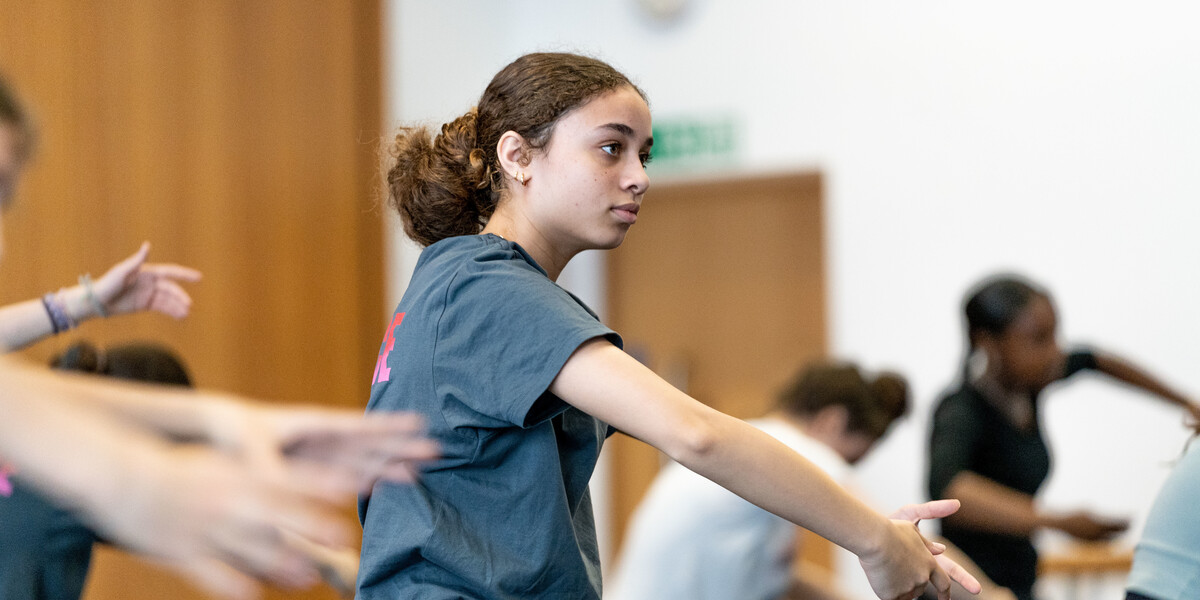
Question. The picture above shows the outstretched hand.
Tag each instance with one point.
(219, 520)
(133, 285)
(224, 515)
(938, 509)
(1087, 526)
(362, 449)
(908, 563)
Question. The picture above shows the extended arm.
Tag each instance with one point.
(22, 324)
(257, 430)
(170, 411)
(142, 493)
(1124, 371)
(129, 286)
(991, 507)
(213, 515)
(610, 385)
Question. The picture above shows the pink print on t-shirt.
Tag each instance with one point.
(382, 372)
(6, 486)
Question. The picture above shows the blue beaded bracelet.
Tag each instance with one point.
(59, 319)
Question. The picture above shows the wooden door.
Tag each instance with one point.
(720, 287)
(239, 138)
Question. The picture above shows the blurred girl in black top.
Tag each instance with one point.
(986, 446)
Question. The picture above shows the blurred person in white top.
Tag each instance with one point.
(692, 539)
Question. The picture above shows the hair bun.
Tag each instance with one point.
(891, 394)
(440, 187)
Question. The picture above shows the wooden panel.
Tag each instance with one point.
(239, 138)
(814, 551)
(720, 287)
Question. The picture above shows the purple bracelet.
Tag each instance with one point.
(59, 319)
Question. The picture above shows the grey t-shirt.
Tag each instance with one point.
(44, 549)
(505, 513)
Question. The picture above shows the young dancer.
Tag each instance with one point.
(521, 383)
(986, 445)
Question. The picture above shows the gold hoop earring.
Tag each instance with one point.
(521, 177)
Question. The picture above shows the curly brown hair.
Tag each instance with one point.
(450, 185)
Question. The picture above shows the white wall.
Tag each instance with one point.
(1057, 139)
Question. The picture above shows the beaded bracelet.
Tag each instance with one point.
(85, 280)
(59, 319)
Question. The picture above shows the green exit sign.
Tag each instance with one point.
(694, 141)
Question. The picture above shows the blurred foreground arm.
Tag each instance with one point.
(215, 515)
(377, 446)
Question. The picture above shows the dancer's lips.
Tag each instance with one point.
(627, 212)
